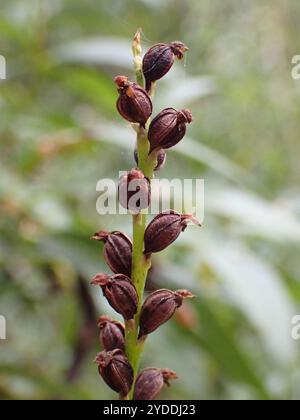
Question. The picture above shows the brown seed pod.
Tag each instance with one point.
(164, 229)
(159, 59)
(159, 307)
(112, 333)
(133, 103)
(117, 251)
(161, 159)
(168, 128)
(120, 293)
(134, 191)
(116, 370)
(150, 382)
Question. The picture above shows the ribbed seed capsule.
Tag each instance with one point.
(134, 191)
(116, 370)
(133, 103)
(168, 128)
(120, 293)
(112, 333)
(159, 59)
(117, 251)
(161, 159)
(150, 382)
(159, 307)
(164, 229)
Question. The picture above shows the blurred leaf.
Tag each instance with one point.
(49, 387)
(181, 94)
(269, 219)
(91, 86)
(222, 346)
(250, 282)
(190, 148)
(96, 50)
(84, 255)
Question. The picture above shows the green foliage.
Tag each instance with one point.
(59, 135)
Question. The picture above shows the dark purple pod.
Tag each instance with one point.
(116, 370)
(159, 59)
(168, 128)
(164, 229)
(112, 333)
(159, 307)
(133, 103)
(150, 382)
(134, 191)
(117, 251)
(161, 159)
(120, 293)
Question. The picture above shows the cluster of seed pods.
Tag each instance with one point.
(134, 193)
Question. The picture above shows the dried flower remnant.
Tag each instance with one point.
(134, 191)
(165, 229)
(116, 370)
(133, 102)
(168, 128)
(159, 307)
(150, 382)
(117, 251)
(112, 333)
(160, 159)
(159, 59)
(120, 293)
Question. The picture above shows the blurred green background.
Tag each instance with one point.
(60, 134)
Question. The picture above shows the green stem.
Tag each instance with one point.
(137, 57)
(140, 264)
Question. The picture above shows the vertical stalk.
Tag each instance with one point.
(140, 264)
